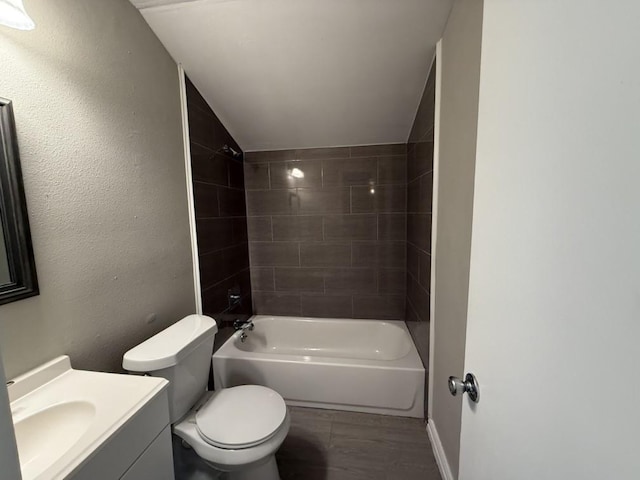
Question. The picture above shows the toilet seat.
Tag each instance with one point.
(240, 417)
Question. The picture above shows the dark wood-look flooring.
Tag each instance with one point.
(337, 445)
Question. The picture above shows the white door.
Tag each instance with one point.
(553, 333)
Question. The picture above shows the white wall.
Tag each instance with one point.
(8, 452)
(460, 74)
(97, 107)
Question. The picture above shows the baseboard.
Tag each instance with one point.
(438, 451)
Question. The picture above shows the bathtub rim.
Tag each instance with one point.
(411, 361)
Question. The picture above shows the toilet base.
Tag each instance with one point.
(265, 471)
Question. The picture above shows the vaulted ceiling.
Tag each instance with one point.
(304, 73)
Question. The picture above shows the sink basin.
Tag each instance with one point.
(63, 417)
(46, 435)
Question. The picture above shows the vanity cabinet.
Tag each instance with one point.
(140, 449)
(156, 463)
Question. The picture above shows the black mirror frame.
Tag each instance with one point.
(13, 214)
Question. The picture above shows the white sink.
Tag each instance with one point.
(62, 416)
(45, 436)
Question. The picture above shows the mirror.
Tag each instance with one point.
(17, 267)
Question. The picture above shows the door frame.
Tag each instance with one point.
(197, 288)
(436, 443)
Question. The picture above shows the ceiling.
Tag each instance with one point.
(286, 74)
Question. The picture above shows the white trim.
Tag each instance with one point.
(190, 200)
(434, 224)
(438, 451)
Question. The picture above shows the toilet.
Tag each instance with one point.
(236, 430)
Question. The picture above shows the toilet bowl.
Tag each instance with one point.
(235, 431)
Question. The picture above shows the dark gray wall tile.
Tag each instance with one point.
(231, 202)
(272, 202)
(425, 271)
(259, 228)
(330, 306)
(207, 166)
(392, 227)
(323, 200)
(215, 301)
(350, 280)
(236, 173)
(379, 150)
(325, 254)
(350, 227)
(424, 119)
(426, 192)
(298, 227)
(206, 200)
(392, 281)
(214, 234)
(271, 303)
(413, 260)
(299, 279)
(413, 197)
(282, 176)
(384, 199)
(420, 160)
(383, 307)
(239, 229)
(357, 171)
(221, 264)
(419, 299)
(392, 170)
(320, 217)
(201, 128)
(419, 230)
(262, 279)
(268, 254)
(218, 182)
(256, 176)
(379, 254)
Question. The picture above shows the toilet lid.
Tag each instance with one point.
(241, 417)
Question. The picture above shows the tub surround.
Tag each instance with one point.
(328, 238)
(340, 364)
(419, 208)
(221, 222)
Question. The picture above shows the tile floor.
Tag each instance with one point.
(336, 445)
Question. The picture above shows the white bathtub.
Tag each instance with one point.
(360, 365)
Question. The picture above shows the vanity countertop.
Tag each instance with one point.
(62, 417)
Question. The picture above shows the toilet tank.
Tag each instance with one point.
(180, 353)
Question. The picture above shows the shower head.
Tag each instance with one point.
(227, 149)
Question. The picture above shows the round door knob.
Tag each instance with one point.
(469, 385)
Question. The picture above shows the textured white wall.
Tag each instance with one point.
(97, 108)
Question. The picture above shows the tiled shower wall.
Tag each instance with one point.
(419, 203)
(327, 231)
(221, 223)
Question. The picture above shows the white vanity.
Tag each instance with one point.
(81, 425)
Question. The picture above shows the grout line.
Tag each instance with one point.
(272, 236)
